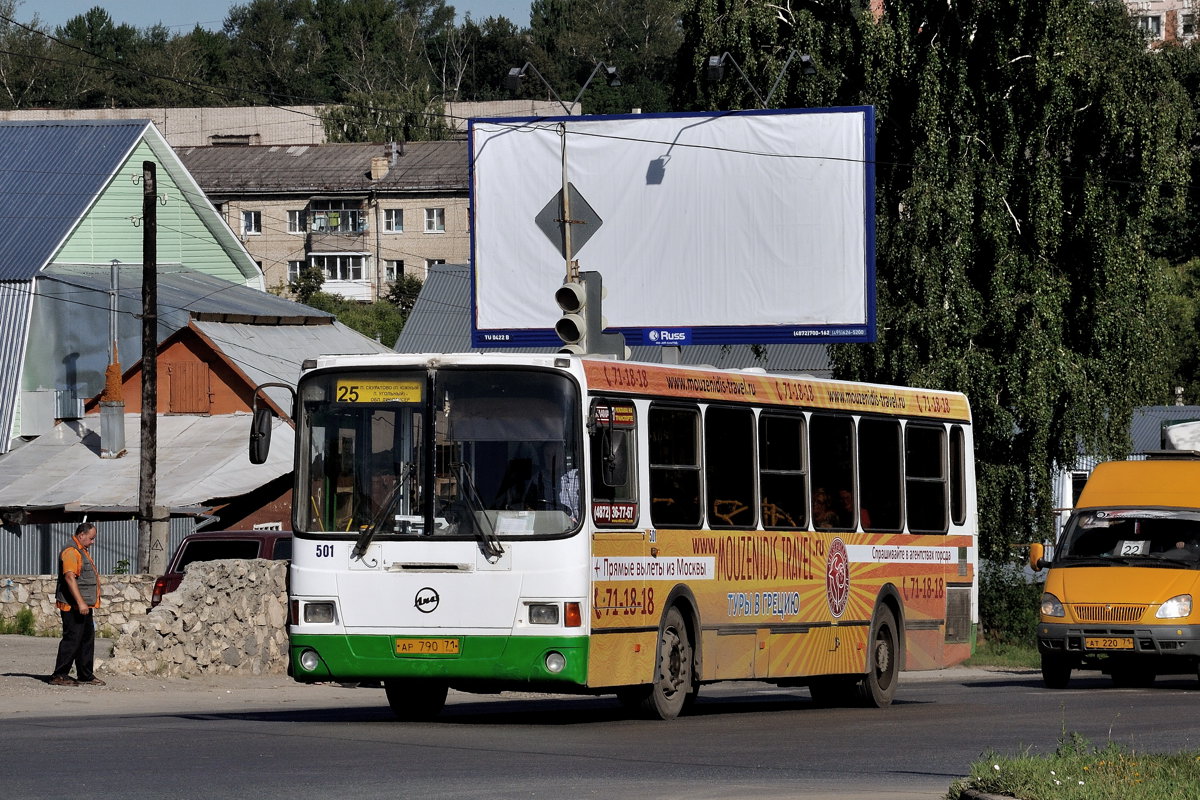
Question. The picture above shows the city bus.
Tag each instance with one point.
(566, 524)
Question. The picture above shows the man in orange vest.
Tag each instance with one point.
(78, 593)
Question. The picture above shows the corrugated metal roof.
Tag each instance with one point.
(440, 322)
(52, 172)
(183, 291)
(312, 169)
(1146, 426)
(16, 298)
(274, 353)
(200, 459)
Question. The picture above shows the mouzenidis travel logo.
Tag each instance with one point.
(837, 577)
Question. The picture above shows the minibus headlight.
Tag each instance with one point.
(319, 612)
(1051, 607)
(555, 662)
(543, 613)
(1178, 606)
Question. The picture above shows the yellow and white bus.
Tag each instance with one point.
(563, 524)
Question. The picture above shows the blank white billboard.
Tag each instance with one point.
(734, 227)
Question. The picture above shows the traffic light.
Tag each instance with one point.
(579, 316)
(581, 326)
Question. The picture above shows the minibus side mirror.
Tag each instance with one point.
(1037, 557)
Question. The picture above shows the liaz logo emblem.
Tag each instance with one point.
(426, 600)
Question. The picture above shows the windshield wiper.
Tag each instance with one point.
(389, 504)
(488, 541)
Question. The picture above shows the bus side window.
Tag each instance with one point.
(879, 483)
(782, 481)
(831, 464)
(729, 467)
(958, 478)
(925, 478)
(674, 434)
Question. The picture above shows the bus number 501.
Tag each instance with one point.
(324, 551)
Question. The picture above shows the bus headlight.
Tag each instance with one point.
(1051, 607)
(319, 612)
(1178, 606)
(555, 662)
(309, 660)
(543, 613)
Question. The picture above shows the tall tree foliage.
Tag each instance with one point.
(1025, 152)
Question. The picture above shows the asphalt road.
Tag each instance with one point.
(266, 737)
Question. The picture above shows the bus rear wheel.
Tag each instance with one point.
(674, 678)
(878, 686)
(415, 700)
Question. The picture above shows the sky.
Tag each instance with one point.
(183, 15)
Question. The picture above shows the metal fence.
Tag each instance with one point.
(34, 549)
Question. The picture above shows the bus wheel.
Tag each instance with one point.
(415, 700)
(1056, 671)
(878, 686)
(674, 680)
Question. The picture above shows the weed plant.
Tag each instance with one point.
(1079, 771)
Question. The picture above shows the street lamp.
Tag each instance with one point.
(714, 70)
(512, 81)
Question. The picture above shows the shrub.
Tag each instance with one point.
(1008, 603)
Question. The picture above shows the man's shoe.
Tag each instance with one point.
(62, 680)
(92, 682)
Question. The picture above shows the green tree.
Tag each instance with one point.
(1026, 150)
(307, 284)
(403, 293)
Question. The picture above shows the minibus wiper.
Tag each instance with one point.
(389, 505)
(489, 543)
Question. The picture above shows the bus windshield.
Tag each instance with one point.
(1137, 536)
(455, 453)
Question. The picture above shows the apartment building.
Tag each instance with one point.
(365, 214)
(1165, 21)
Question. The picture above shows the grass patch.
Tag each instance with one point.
(1079, 771)
(21, 625)
(1002, 654)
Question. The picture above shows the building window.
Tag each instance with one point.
(393, 270)
(435, 220)
(296, 221)
(429, 262)
(251, 222)
(340, 268)
(1151, 24)
(1187, 25)
(393, 220)
(294, 270)
(338, 216)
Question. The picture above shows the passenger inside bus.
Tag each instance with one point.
(823, 515)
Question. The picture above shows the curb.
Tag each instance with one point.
(975, 794)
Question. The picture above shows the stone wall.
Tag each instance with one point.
(122, 598)
(226, 617)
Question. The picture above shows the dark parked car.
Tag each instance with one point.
(217, 545)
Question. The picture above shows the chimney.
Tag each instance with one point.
(379, 167)
(1179, 395)
(112, 412)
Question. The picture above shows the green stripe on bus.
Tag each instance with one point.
(500, 658)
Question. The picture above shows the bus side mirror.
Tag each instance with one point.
(613, 460)
(1037, 557)
(260, 435)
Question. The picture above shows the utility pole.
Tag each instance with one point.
(152, 556)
